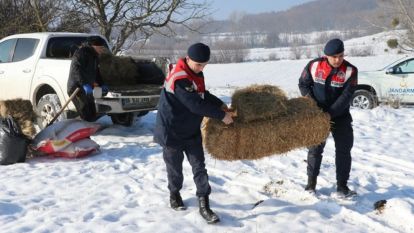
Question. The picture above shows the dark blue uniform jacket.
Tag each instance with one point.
(331, 88)
(181, 111)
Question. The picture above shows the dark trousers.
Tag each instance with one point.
(85, 106)
(343, 136)
(173, 159)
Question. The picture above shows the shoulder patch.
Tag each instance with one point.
(189, 89)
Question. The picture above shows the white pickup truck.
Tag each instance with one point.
(393, 84)
(36, 66)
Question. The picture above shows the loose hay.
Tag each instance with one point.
(22, 112)
(125, 71)
(118, 71)
(304, 125)
(259, 102)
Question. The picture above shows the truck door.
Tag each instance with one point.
(404, 87)
(6, 53)
(18, 71)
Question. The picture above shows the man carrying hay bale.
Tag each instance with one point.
(182, 105)
(84, 73)
(331, 82)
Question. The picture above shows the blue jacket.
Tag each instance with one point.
(183, 104)
(331, 88)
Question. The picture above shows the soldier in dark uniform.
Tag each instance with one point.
(331, 82)
(183, 103)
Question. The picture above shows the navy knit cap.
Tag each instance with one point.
(199, 52)
(333, 47)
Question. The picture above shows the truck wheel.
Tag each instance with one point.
(363, 99)
(125, 119)
(47, 108)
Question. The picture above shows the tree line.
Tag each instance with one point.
(120, 21)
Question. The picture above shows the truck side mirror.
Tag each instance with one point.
(389, 71)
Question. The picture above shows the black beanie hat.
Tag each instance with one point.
(333, 47)
(199, 52)
(96, 41)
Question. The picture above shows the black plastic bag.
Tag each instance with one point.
(13, 144)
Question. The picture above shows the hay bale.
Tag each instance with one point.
(304, 125)
(259, 102)
(22, 112)
(118, 71)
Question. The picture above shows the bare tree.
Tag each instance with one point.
(296, 51)
(228, 51)
(272, 40)
(13, 17)
(125, 21)
(402, 13)
(20, 16)
(44, 12)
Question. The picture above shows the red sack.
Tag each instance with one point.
(61, 134)
(78, 149)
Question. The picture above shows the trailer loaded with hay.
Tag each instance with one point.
(41, 74)
(267, 123)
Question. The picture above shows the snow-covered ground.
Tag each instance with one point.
(124, 187)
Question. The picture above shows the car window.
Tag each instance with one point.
(6, 50)
(405, 67)
(25, 48)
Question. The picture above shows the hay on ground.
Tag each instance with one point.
(22, 112)
(259, 102)
(304, 125)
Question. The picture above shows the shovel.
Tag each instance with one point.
(64, 106)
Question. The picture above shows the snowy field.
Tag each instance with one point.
(124, 187)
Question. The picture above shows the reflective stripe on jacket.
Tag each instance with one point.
(332, 88)
(183, 104)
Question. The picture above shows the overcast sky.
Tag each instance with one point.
(223, 8)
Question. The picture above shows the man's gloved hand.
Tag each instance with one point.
(88, 89)
(105, 90)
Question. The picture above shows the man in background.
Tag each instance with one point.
(84, 73)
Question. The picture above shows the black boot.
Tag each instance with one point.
(311, 186)
(176, 202)
(206, 212)
(343, 191)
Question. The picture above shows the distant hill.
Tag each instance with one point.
(319, 15)
(314, 22)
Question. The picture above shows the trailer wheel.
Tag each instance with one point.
(125, 119)
(47, 108)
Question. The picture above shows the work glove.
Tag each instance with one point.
(105, 90)
(88, 89)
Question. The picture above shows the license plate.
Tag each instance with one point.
(135, 101)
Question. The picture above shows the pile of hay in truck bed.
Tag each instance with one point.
(126, 71)
(267, 123)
